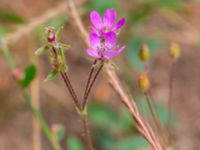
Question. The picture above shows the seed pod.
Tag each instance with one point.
(144, 53)
(143, 82)
(174, 52)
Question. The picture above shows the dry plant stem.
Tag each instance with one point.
(85, 100)
(171, 74)
(86, 135)
(155, 118)
(142, 126)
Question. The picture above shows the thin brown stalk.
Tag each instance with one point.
(87, 136)
(171, 73)
(89, 79)
(91, 85)
(142, 126)
(159, 129)
(68, 83)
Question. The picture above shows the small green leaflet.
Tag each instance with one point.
(29, 75)
(52, 75)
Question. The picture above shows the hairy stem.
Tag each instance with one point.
(91, 85)
(87, 135)
(89, 79)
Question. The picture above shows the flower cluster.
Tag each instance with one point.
(103, 39)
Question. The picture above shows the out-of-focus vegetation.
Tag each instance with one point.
(113, 128)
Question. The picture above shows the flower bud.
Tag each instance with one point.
(143, 82)
(51, 35)
(18, 74)
(144, 53)
(58, 131)
(174, 52)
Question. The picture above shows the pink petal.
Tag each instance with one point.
(94, 30)
(95, 41)
(119, 24)
(112, 53)
(121, 49)
(109, 18)
(96, 20)
(92, 53)
(110, 39)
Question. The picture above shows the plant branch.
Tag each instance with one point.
(142, 126)
(171, 74)
(87, 132)
(85, 99)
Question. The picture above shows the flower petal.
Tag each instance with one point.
(119, 24)
(110, 39)
(92, 53)
(111, 53)
(96, 20)
(95, 41)
(94, 30)
(109, 18)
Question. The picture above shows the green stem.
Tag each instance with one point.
(7, 55)
(54, 142)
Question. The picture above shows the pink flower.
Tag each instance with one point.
(104, 47)
(107, 23)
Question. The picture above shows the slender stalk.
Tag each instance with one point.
(155, 118)
(85, 100)
(41, 121)
(87, 136)
(28, 101)
(68, 83)
(89, 77)
(112, 78)
(171, 74)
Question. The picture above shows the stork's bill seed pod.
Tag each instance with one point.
(174, 52)
(144, 53)
(144, 82)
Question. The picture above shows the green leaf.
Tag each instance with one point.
(64, 46)
(29, 75)
(42, 50)
(51, 76)
(11, 16)
(74, 143)
(59, 32)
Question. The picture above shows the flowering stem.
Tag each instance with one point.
(28, 101)
(70, 89)
(171, 74)
(85, 99)
(40, 119)
(89, 77)
(87, 136)
(68, 83)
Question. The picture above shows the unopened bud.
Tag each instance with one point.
(18, 74)
(144, 53)
(51, 34)
(143, 82)
(174, 51)
(58, 131)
